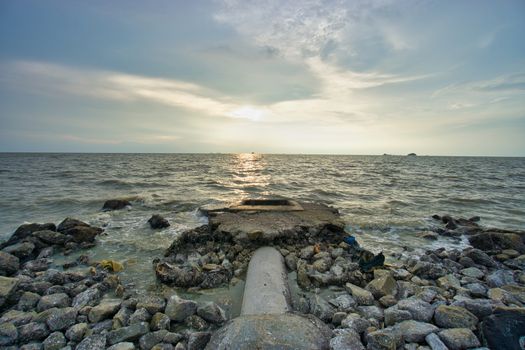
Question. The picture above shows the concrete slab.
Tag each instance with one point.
(266, 290)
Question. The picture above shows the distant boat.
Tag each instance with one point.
(411, 155)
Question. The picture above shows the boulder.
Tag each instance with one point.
(61, 319)
(21, 250)
(76, 332)
(51, 237)
(149, 340)
(356, 323)
(177, 309)
(414, 331)
(349, 340)
(115, 204)
(362, 296)
(393, 315)
(480, 257)
(59, 300)
(9, 264)
(447, 316)
(54, 341)
(129, 333)
(383, 285)
(93, 342)
(211, 312)
(198, 340)
(153, 304)
(8, 334)
(459, 338)
(122, 346)
(157, 222)
(503, 329)
(8, 286)
(140, 315)
(434, 342)
(320, 308)
(497, 241)
(419, 309)
(32, 331)
(105, 309)
(500, 278)
(160, 321)
(473, 272)
(386, 338)
(25, 231)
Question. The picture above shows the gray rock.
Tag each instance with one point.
(180, 346)
(102, 327)
(88, 297)
(419, 309)
(122, 346)
(415, 331)
(61, 319)
(157, 221)
(18, 318)
(32, 346)
(93, 342)
(454, 317)
(434, 342)
(448, 281)
(349, 340)
(159, 321)
(172, 338)
(178, 309)
(128, 333)
(356, 323)
(59, 300)
(291, 261)
(153, 304)
(343, 302)
(307, 252)
(387, 338)
(459, 338)
(428, 270)
(54, 341)
(480, 257)
(393, 315)
(500, 278)
(76, 332)
(372, 311)
(338, 317)
(32, 331)
(322, 265)
(477, 290)
(8, 334)
(162, 346)
(7, 288)
(382, 285)
(28, 301)
(321, 308)
(479, 307)
(105, 309)
(196, 322)
(140, 315)
(9, 264)
(473, 272)
(211, 312)
(20, 250)
(362, 296)
(149, 340)
(198, 340)
(115, 204)
(51, 237)
(122, 317)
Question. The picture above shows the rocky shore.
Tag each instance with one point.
(455, 299)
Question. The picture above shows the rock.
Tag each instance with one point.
(500, 278)
(153, 304)
(428, 270)
(106, 309)
(393, 315)
(8, 287)
(28, 301)
(115, 204)
(473, 272)
(338, 317)
(356, 323)
(82, 234)
(198, 340)
(434, 342)
(8, 334)
(291, 261)
(362, 296)
(320, 308)
(59, 300)
(172, 338)
(414, 331)
(26, 230)
(157, 221)
(76, 332)
(343, 302)
(211, 312)
(37, 265)
(480, 257)
(9, 264)
(196, 322)
(302, 274)
(454, 317)
(32, 331)
(381, 286)
(349, 340)
(497, 241)
(51, 237)
(159, 321)
(18, 318)
(449, 281)
(140, 315)
(87, 298)
(459, 338)
(129, 333)
(122, 317)
(149, 340)
(163, 346)
(386, 339)
(20, 250)
(419, 309)
(322, 265)
(32, 346)
(54, 341)
(61, 319)
(504, 329)
(307, 252)
(178, 309)
(93, 342)
(477, 290)
(122, 346)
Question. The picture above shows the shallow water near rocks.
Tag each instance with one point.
(385, 200)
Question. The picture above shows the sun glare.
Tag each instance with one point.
(248, 112)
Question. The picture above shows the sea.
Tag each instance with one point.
(385, 201)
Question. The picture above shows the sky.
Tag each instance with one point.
(324, 77)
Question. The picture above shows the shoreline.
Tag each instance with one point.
(450, 294)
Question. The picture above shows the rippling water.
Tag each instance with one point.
(385, 200)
